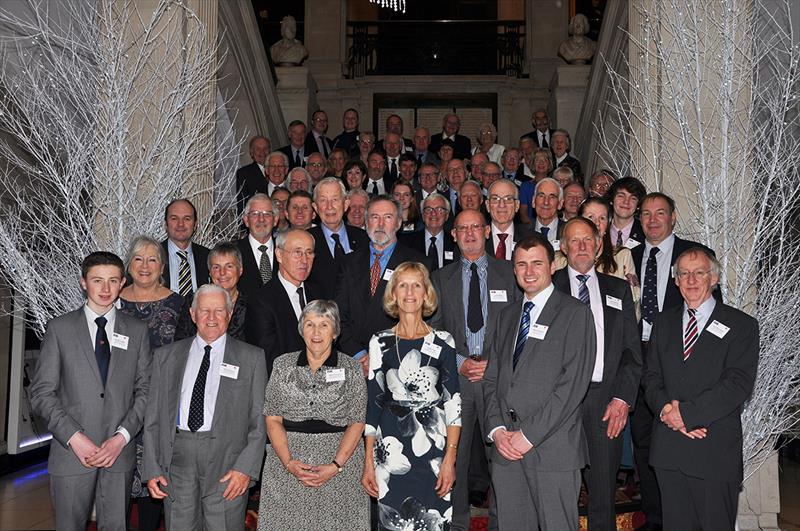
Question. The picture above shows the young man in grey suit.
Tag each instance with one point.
(471, 293)
(617, 365)
(204, 431)
(91, 387)
(540, 364)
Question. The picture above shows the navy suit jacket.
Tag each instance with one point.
(463, 146)
(326, 269)
(250, 280)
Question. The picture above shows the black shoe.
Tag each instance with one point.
(477, 498)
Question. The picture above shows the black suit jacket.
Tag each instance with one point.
(200, 255)
(416, 240)
(575, 165)
(311, 144)
(622, 356)
(250, 280)
(521, 231)
(346, 140)
(535, 136)
(408, 146)
(362, 315)
(270, 322)
(249, 181)
(388, 182)
(288, 150)
(711, 386)
(463, 146)
(326, 270)
(637, 233)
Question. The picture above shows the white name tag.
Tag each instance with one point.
(556, 245)
(538, 331)
(718, 329)
(387, 275)
(613, 302)
(229, 371)
(448, 255)
(431, 350)
(119, 341)
(334, 375)
(498, 295)
(631, 243)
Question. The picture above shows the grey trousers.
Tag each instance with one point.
(195, 500)
(73, 497)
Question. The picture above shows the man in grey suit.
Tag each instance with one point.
(471, 293)
(91, 386)
(204, 432)
(540, 364)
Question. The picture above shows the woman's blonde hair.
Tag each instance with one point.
(390, 302)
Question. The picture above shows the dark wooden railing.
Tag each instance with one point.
(439, 47)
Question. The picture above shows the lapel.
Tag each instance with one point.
(225, 396)
(609, 318)
(86, 343)
(285, 305)
(493, 282)
(394, 261)
(546, 317)
(174, 377)
(508, 331)
(706, 339)
(453, 285)
(117, 354)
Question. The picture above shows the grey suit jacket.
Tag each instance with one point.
(68, 394)
(547, 387)
(239, 432)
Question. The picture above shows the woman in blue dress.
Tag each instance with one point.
(413, 410)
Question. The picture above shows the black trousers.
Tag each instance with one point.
(641, 434)
(695, 504)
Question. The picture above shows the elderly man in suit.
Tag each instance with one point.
(333, 239)
(451, 124)
(253, 176)
(186, 268)
(296, 150)
(434, 241)
(471, 293)
(90, 387)
(503, 204)
(540, 365)
(204, 430)
(258, 249)
(548, 198)
(541, 129)
(617, 364)
(701, 368)
(274, 310)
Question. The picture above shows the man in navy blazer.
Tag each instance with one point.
(252, 176)
(462, 147)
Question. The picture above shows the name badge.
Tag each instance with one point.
(229, 371)
(613, 302)
(556, 245)
(448, 255)
(537, 331)
(334, 375)
(631, 243)
(119, 341)
(431, 350)
(498, 295)
(387, 275)
(718, 329)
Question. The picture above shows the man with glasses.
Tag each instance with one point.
(502, 204)
(316, 141)
(257, 248)
(428, 180)
(489, 173)
(471, 293)
(434, 242)
(548, 198)
(316, 167)
(277, 169)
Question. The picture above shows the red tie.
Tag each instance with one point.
(690, 335)
(500, 253)
(375, 274)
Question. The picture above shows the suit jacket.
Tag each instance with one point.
(200, 255)
(672, 295)
(711, 386)
(463, 146)
(270, 322)
(547, 387)
(362, 315)
(250, 180)
(388, 182)
(416, 240)
(250, 281)
(622, 356)
(428, 157)
(311, 144)
(68, 393)
(326, 270)
(535, 136)
(288, 150)
(575, 165)
(408, 146)
(637, 232)
(238, 429)
(347, 141)
(521, 231)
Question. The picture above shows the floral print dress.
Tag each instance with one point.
(413, 397)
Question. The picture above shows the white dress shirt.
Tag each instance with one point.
(596, 303)
(196, 353)
(509, 240)
(255, 244)
(175, 267)
(552, 234)
(381, 186)
(439, 245)
(272, 186)
(291, 291)
(663, 265)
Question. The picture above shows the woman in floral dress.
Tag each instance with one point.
(413, 410)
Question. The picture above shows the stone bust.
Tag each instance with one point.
(578, 49)
(288, 51)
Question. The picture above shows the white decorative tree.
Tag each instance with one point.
(105, 116)
(708, 108)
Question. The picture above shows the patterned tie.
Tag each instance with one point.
(500, 252)
(375, 274)
(338, 250)
(301, 296)
(544, 231)
(650, 288)
(184, 275)
(619, 239)
(474, 311)
(583, 291)
(433, 253)
(690, 335)
(196, 406)
(102, 350)
(522, 335)
(264, 267)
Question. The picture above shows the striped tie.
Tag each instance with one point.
(583, 291)
(690, 335)
(522, 335)
(184, 275)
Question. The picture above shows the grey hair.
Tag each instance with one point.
(298, 169)
(330, 180)
(225, 248)
(140, 242)
(390, 199)
(509, 182)
(207, 289)
(549, 180)
(283, 235)
(566, 170)
(474, 183)
(280, 154)
(322, 308)
(261, 196)
(356, 191)
(566, 135)
(436, 195)
(491, 163)
(489, 126)
(716, 267)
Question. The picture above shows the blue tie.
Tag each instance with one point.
(583, 291)
(522, 335)
(650, 288)
(102, 350)
(544, 231)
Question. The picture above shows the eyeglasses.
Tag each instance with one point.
(315, 164)
(495, 199)
(276, 166)
(698, 275)
(297, 254)
(260, 214)
(431, 210)
(461, 229)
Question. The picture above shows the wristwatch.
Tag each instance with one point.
(337, 465)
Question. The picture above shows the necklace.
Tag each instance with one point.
(397, 342)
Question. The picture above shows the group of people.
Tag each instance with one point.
(381, 333)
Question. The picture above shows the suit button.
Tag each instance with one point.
(102, 395)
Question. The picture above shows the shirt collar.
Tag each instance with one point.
(109, 315)
(663, 247)
(574, 274)
(439, 237)
(330, 361)
(481, 262)
(541, 298)
(289, 286)
(327, 232)
(388, 250)
(705, 309)
(172, 248)
(218, 345)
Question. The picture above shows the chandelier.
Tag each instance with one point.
(395, 5)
